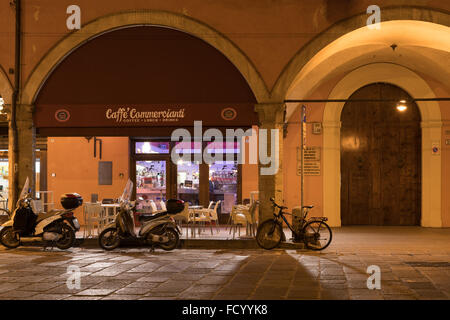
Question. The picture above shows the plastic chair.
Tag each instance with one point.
(183, 217)
(208, 215)
(238, 218)
(250, 215)
(93, 217)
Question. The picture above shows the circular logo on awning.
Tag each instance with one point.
(229, 114)
(62, 115)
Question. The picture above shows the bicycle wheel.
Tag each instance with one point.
(269, 235)
(317, 235)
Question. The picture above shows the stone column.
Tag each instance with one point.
(271, 119)
(24, 164)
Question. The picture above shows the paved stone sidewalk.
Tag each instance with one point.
(414, 263)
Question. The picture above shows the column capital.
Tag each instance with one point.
(431, 124)
(271, 113)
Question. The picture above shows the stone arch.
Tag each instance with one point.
(291, 71)
(431, 133)
(114, 21)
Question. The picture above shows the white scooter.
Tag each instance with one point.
(56, 226)
(159, 229)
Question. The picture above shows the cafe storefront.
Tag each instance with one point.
(109, 111)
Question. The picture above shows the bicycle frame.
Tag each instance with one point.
(281, 215)
(303, 220)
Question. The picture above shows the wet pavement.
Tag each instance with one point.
(414, 264)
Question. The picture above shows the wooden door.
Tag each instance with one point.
(380, 159)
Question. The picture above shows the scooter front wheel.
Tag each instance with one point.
(9, 238)
(173, 240)
(109, 239)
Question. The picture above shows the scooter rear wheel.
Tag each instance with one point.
(109, 239)
(173, 240)
(9, 238)
(67, 237)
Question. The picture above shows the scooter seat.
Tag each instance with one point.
(144, 218)
(45, 215)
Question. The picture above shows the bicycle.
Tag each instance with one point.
(314, 232)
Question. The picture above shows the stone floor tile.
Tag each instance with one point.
(18, 294)
(209, 279)
(95, 292)
(122, 297)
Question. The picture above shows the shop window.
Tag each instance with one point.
(148, 147)
(188, 147)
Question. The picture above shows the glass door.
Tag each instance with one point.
(151, 182)
(188, 182)
(188, 172)
(223, 180)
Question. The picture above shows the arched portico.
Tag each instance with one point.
(119, 20)
(297, 66)
(431, 134)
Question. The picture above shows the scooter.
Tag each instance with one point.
(56, 227)
(157, 230)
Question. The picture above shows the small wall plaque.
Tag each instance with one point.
(317, 128)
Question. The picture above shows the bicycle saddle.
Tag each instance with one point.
(308, 207)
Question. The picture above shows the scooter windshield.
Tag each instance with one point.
(25, 190)
(126, 195)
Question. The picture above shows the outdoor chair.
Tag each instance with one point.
(209, 215)
(184, 217)
(238, 218)
(93, 218)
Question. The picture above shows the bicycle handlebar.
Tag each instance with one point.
(277, 205)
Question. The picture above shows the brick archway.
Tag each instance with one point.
(143, 17)
(296, 65)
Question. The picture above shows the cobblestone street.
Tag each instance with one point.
(414, 263)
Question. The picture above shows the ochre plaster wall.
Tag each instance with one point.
(72, 162)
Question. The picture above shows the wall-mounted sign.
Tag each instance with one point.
(311, 156)
(317, 128)
(229, 114)
(132, 115)
(62, 115)
(139, 115)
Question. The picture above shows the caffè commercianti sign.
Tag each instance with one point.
(131, 115)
